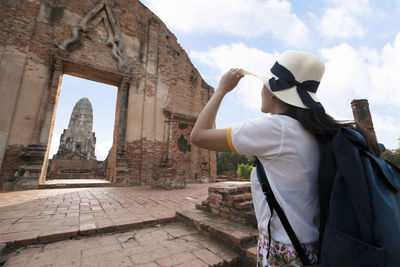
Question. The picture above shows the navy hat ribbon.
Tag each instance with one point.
(286, 80)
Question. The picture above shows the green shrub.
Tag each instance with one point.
(393, 156)
(228, 161)
(244, 170)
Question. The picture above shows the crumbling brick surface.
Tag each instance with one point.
(232, 201)
(10, 165)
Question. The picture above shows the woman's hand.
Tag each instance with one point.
(229, 80)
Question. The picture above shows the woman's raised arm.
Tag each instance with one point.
(204, 134)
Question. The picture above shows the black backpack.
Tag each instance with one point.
(359, 204)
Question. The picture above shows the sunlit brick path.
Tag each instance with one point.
(28, 217)
(172, 244)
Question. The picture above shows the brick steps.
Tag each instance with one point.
(226, 259)
(251, 253)
(84, 230)
(231, 200)
(73, 185)
(173, 244)
(241, 238)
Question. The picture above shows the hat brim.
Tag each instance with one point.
(289, 95)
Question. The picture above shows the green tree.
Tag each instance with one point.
(244, 170)
(392, 155)
(228, 161)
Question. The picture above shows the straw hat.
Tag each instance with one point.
(294, 79)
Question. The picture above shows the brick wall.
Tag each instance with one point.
(161, 75)
(10, 165)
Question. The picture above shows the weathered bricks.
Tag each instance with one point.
(13, 160)
(225, 231)
(231, 200)
(244, 196)
(148, 247)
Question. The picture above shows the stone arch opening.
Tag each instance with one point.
(121, 82)
(83, 131)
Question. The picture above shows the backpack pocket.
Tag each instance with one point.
(340, 249)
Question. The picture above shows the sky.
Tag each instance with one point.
(358, 40)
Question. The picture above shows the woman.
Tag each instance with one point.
(288, 145)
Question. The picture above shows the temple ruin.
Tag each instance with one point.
(75, 157)
(78, 141)
(117, 42)
(120, 43)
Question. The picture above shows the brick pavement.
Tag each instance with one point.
(37, 216)
(162, 245)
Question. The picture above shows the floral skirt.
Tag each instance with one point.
(281, 254)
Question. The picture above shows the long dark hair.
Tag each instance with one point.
(326, 127)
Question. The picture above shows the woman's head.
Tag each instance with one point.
(270, 103)
(294, 79)
(291, 88)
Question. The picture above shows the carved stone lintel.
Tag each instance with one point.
(174, 116)
(101, 12)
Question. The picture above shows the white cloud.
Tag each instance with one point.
(102, 149)
(248, 18)
(387, 128)
(364, 73)
(385, 124)
(385, 74)
(346, 78)
(238, 55)
(342, 20)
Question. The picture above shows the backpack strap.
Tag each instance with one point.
(326, 175)
(274, 205)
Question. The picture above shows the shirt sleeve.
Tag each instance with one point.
(259, 137)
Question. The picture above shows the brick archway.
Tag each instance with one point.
(62, 66)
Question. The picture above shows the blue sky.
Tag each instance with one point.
(359, 41)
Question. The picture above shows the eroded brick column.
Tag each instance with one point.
(121, 163)
(362, 115)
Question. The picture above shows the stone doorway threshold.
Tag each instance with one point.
(75, 183)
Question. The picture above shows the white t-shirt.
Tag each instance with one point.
(290, 155)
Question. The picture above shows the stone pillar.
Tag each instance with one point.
(48, 113)
(362, 114)
(121, 159)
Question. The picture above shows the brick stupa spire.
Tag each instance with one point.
(78, 141)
